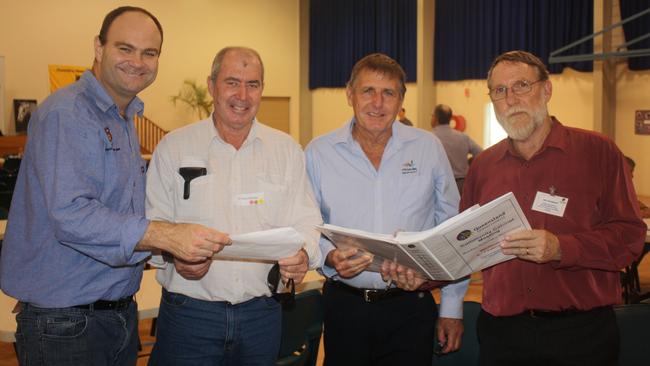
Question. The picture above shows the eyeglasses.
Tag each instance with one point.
(286, 299)
(520, 87)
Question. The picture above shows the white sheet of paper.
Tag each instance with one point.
(270, 244)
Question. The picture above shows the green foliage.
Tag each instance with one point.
(195, 96)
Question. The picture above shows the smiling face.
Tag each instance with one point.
(237, 90)
(376, 99)
(520, 115)
(127, 62)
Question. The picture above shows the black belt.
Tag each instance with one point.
(368, 295)
(120, 304)
(533, 313)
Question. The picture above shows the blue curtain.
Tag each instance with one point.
(636, 28)
(343, 31)
(469, 34)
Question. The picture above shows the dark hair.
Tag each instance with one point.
(218, 59)
(630, 162)
(115, 13)
(523, 57)
(443, 114)
(382, 64)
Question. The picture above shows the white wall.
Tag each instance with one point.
(36, 33)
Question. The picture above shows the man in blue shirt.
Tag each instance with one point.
(77, 236)
(377, 175)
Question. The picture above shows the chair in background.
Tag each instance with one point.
(633, 324)
(8, 176)
(302, 324)
(468, 352)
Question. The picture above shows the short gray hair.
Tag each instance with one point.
(218, 59)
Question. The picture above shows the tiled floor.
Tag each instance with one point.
(8, 358)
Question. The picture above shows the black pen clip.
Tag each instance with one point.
(189, 173)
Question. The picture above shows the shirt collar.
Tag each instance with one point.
(103, 101)
(255, 133)
(557, 138)
(401, 133)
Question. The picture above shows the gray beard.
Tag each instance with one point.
(525, 131)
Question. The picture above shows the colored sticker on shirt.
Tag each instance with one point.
(550, 204)
(249, 199)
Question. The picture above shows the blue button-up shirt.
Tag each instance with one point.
(78, 208)
(413, 190)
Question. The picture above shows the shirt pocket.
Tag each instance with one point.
(199, 207)
(273, 211)
(415, 192)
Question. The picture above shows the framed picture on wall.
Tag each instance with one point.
(23, 109)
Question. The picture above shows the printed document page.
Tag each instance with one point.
(266, 245)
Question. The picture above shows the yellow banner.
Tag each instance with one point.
(62, 75)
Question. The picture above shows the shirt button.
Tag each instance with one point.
(529, 289)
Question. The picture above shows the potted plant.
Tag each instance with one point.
(195, 96)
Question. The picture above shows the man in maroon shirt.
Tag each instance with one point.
(552, 305)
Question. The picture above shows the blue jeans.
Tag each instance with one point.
(197, 332)
(74, 337)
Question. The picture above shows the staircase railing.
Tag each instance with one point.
(149, 133)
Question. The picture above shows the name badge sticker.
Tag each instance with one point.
(249, 199)
(550, 204)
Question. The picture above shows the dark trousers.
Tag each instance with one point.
(392, 331)
(193, 332)
(578, 339)
(75, 337)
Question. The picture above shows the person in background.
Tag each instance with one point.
(645, 210)
(77, 236)
(552, 304)
(376, 175)
(401, 116)
(221, 312)
(458, 145)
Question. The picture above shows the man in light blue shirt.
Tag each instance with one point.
(77, 236)
(376, 175)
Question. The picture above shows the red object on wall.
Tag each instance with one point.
(460, 123)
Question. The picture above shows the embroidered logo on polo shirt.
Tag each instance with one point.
(409, 167)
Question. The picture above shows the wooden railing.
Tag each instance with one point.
(149, 133)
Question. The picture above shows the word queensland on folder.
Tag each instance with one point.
(465, 243)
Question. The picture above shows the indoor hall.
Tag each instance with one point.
(611, 97)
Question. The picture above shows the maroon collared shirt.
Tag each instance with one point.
(599, 234)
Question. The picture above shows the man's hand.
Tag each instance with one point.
(345, 263)
(539, 246)
(403, 277)
(294, 267)
(450, 333)
(189, 242)
(192, 271)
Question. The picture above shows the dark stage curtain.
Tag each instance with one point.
(636, 28)
(343, 31)
(469, 34)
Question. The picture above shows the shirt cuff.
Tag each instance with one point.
(451, 299)
(570, 249)
(133, 230)
(158, 261)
